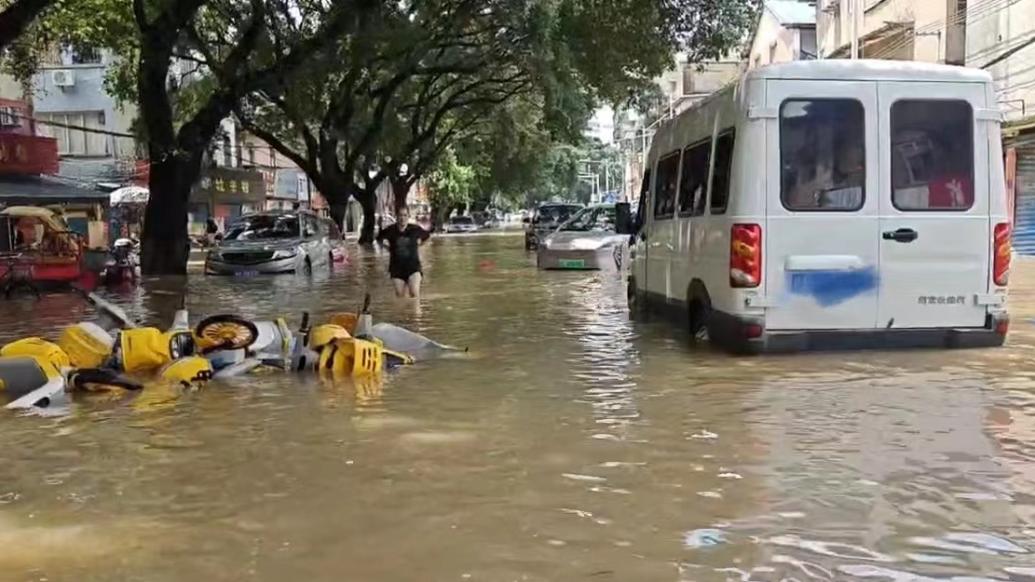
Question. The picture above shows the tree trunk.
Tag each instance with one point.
(164, 246)
(338, 210)
(400, 192)
(368, 200)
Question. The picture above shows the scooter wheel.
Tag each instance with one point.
(226, 332)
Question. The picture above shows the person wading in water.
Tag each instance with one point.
(403, 240)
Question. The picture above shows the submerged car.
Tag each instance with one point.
(269, 243)
(545, 220)
(590, 240)
(461, 224)
(335, 240)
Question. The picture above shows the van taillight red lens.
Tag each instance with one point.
(746, 256)
(1002, 327)
(1002, 252)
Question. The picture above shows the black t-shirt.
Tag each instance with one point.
(402, 246)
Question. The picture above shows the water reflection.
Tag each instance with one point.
(571, 444)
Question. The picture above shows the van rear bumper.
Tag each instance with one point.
(747, 335)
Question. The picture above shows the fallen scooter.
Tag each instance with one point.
(36, 373)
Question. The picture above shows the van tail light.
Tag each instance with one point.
(746, 256)
(1002, 252)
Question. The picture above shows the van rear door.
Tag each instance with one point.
(821, 253)
(934, 208)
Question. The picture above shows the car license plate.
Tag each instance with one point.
(573, 263)
(246, 274)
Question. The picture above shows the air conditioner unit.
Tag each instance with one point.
(63, 78)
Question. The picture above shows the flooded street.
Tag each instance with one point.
(571, 444)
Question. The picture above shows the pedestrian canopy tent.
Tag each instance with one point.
(130, 195)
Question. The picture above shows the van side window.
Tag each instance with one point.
(665, 186)
(932, 155)
(721, 175)
(822, 154)
(641, 208)
(693, 186)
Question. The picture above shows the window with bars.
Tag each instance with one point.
(77, 133)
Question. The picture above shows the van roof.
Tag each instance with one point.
(869, 70)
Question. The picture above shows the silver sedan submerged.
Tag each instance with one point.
(589, 241)
(262, 244)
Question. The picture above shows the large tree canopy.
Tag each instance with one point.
(420, 77)
(357, 92)
(17, 15)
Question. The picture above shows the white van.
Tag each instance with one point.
(830, 204)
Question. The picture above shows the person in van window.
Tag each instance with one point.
(846, 179)
(950, 185)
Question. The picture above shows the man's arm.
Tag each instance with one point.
(422, 235)
(382, 236)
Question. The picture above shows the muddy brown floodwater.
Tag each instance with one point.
(572, 444)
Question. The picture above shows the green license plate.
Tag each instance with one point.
(573, 263)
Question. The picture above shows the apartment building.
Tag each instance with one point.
(93, 130)
(995, 35)
(786, 31)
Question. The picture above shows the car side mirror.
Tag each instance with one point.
(623, 218)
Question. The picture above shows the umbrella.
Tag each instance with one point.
(130, 195)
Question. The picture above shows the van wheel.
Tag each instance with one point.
(699, 312)
(307, 267)
(634, 298)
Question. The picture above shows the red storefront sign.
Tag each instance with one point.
(28, 154)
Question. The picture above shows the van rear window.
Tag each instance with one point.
(932, 155)
(822, 154)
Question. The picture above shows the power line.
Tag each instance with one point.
(82, 128)
(1009, 53)
(975, 11)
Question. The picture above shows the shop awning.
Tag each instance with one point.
(35, 190)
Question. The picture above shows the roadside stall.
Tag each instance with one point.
(37, 247)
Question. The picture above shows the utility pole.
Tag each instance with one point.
(854, 9)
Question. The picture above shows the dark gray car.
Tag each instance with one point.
(269, 242)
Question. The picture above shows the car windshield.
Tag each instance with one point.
(555, 214)
(264, 226)
(462, 220)
(601, 218)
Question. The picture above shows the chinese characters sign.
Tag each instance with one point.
(230, 186)
(942, 300)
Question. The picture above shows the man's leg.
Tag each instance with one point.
(414, 284)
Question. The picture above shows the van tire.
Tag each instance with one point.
(699, 311)
(307, 267)
(635, 299)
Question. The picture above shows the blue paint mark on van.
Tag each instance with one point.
(833, 287)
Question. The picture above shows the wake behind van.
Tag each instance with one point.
(830, 204)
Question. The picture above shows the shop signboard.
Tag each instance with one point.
(230, 186)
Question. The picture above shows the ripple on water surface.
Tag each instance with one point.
(570, 444)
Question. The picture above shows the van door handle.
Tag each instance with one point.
(902, 235)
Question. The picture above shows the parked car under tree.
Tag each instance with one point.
(269, 243)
